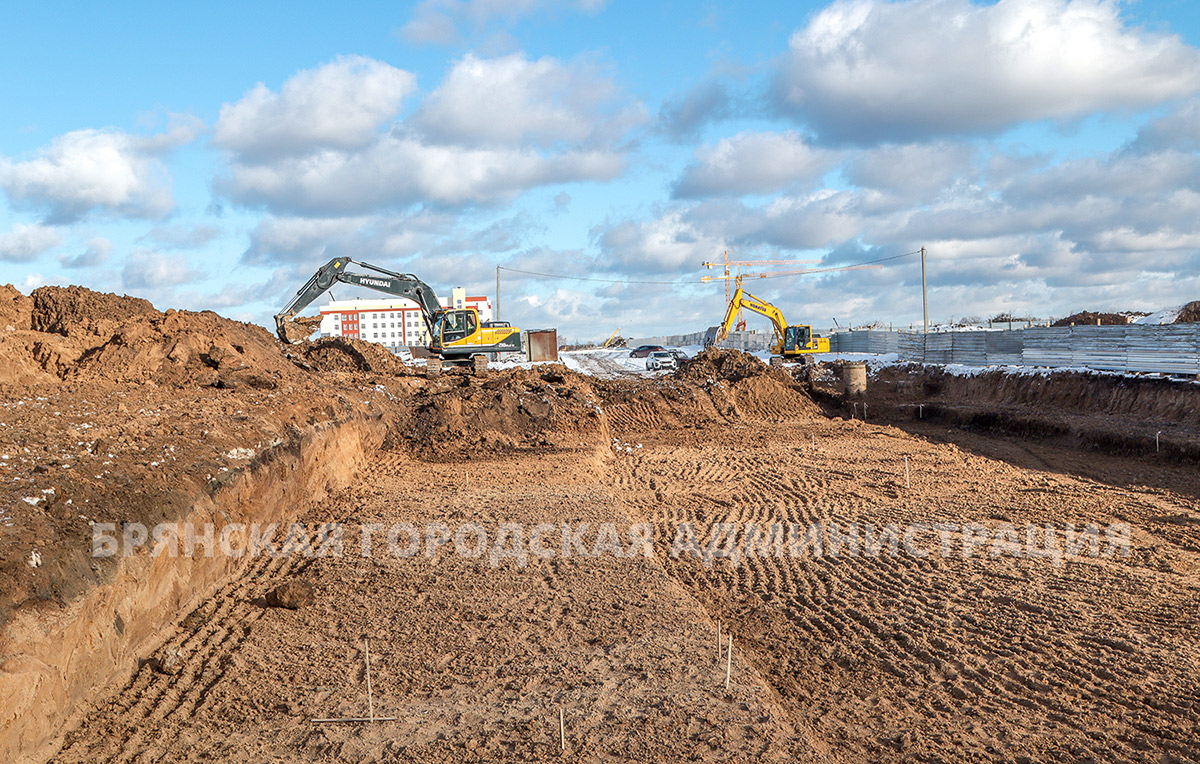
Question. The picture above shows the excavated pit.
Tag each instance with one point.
(1109, 413)
(119, 413)
(116, 412)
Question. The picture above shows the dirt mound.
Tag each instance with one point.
(719, 363)
(15, 309)
(716, 387)
(1190, 313)
(1089, 318)
(72, 333)
(351, 355)
(773, 397)
(519, 409)
(74, 311)
(184, 348)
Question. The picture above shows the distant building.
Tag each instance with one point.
(394, 322)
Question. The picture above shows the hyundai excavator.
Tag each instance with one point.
(794, 342)
(457, 335)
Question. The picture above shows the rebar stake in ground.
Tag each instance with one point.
(370, 717)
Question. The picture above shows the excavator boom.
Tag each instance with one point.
(789, 340)
(400, 284)
(455, 334)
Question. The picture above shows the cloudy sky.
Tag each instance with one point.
(1045, 152)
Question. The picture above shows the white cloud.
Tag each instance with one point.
(668, 243)
(437, 22)
(339, 105)
(493, 130)
(98, 249)
(26, 242)
(913, 172)
(750, 163)
(399, 171)
(1179, 130)
(304, 240)
(866, 70)
(181, 129)
(182, 236)
(150, 270)
(682, 116)
(513, 101)
(34, 280)
(86, 170)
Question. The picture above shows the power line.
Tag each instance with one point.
(698, 281)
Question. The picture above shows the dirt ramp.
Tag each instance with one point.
(668, 404)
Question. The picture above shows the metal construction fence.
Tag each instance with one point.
(736, 340)
(1167, 349)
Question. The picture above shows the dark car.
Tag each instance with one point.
(644, 350)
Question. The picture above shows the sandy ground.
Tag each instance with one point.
(847, 659)
(768, 521)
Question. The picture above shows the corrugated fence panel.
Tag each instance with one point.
(1165, 349)
(912, 347)
(1047, 346)
(969, 348)
(1098, 347)
(1171, 349)
(884, 342)
(939, 348)
(1004, 348)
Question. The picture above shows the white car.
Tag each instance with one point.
(661, 360)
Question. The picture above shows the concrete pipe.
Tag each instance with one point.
(854, 377)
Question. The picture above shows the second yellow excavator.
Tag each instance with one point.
(795, 342)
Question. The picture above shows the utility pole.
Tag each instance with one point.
(497, 292)
(924, 293)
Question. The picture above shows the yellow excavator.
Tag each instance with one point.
(794, 342)
(457, 335)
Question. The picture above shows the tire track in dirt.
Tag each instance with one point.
(206, 639)
(1023, 646)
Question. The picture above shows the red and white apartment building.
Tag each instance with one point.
(393, 323)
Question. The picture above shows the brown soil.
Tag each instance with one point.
(1098, 412)
(1088, 318)
(855, 659)
(16, 310)
(1189, 314)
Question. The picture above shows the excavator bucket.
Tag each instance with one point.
(295, 330)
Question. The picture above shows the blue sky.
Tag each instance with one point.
(211, 157)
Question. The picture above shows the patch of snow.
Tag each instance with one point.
(1164, 316)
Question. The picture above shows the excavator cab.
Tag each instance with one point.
(458, 335)
(453, 325)
(796, 339)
